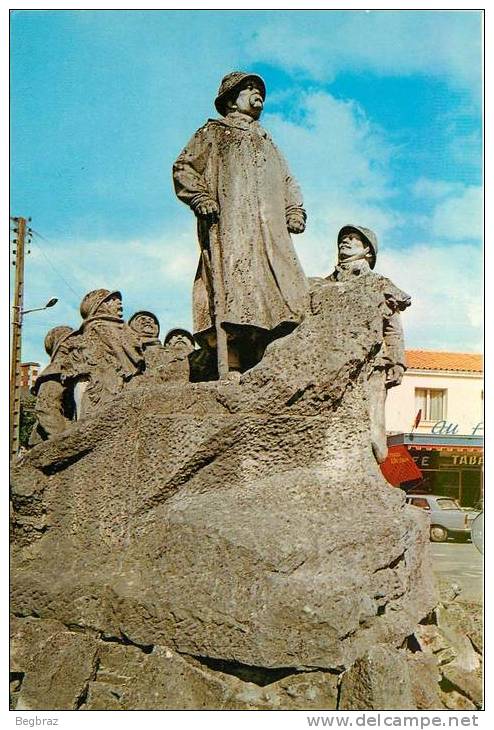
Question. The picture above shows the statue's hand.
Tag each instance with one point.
(295, 224)
(208, 209)
(394, 375)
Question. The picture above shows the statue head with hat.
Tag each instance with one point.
(357, 243)
(55, 337)
(145, 324)
(241, 92)
(101, 302)
(181, 339)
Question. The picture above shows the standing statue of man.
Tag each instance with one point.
(357, 252)
(250, 287)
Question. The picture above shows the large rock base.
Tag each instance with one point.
(55, 668)
(237, 543)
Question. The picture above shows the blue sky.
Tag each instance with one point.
(378, 113)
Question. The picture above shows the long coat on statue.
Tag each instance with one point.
(234, 162)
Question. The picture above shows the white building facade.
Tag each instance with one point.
(437, 414)
(445, 388)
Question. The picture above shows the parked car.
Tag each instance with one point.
(448, 519)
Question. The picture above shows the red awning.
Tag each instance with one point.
(399, 466)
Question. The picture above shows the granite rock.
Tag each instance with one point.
(424, 679)
(127, 679)
(467, 683)
(378, 681)
(466, 659)
(465, 618)
(453, 700)
(54, 665)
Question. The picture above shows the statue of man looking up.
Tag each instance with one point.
(146, 327)
(357, 254)
(249, 287)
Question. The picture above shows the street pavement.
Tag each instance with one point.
(461, 563)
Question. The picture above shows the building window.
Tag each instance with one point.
(432, 403)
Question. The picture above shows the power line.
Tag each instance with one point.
(38, 246)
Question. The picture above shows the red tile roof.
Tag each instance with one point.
(431, 360)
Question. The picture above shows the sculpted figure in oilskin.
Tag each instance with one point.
(250, 287)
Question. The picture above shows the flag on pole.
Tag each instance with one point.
(418, 418)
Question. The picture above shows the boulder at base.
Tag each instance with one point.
(245, 528)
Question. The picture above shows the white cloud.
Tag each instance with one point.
(465, 150)
(153, 274)
(335, 139)
(434, 189)
(441, 44)
(350, 156)
(445, 286)
(457, 209)
(460, 217)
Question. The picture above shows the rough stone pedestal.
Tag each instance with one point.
(236, 542)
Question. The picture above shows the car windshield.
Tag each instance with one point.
(448, 504)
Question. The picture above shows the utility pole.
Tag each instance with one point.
(15, 368)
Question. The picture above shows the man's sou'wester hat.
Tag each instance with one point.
(230, 82)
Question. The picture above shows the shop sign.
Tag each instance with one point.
(425, 459)
(446, 459)
(445, 427)
(467, 459)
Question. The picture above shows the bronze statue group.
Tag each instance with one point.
(249, 288)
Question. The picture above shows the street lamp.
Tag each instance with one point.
(15, 372)
(49, 303)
